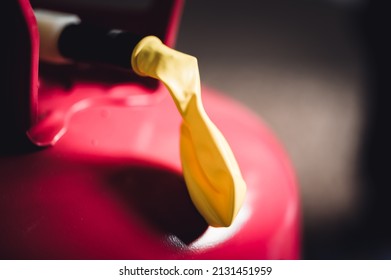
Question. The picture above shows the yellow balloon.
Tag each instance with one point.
(212, 175)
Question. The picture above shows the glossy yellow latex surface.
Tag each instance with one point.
(212, 175)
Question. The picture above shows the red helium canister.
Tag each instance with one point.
(110, 186)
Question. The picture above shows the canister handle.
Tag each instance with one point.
(19, 78)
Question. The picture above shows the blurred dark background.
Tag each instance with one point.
(316, 71)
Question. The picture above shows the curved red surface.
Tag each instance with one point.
(111, 187)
